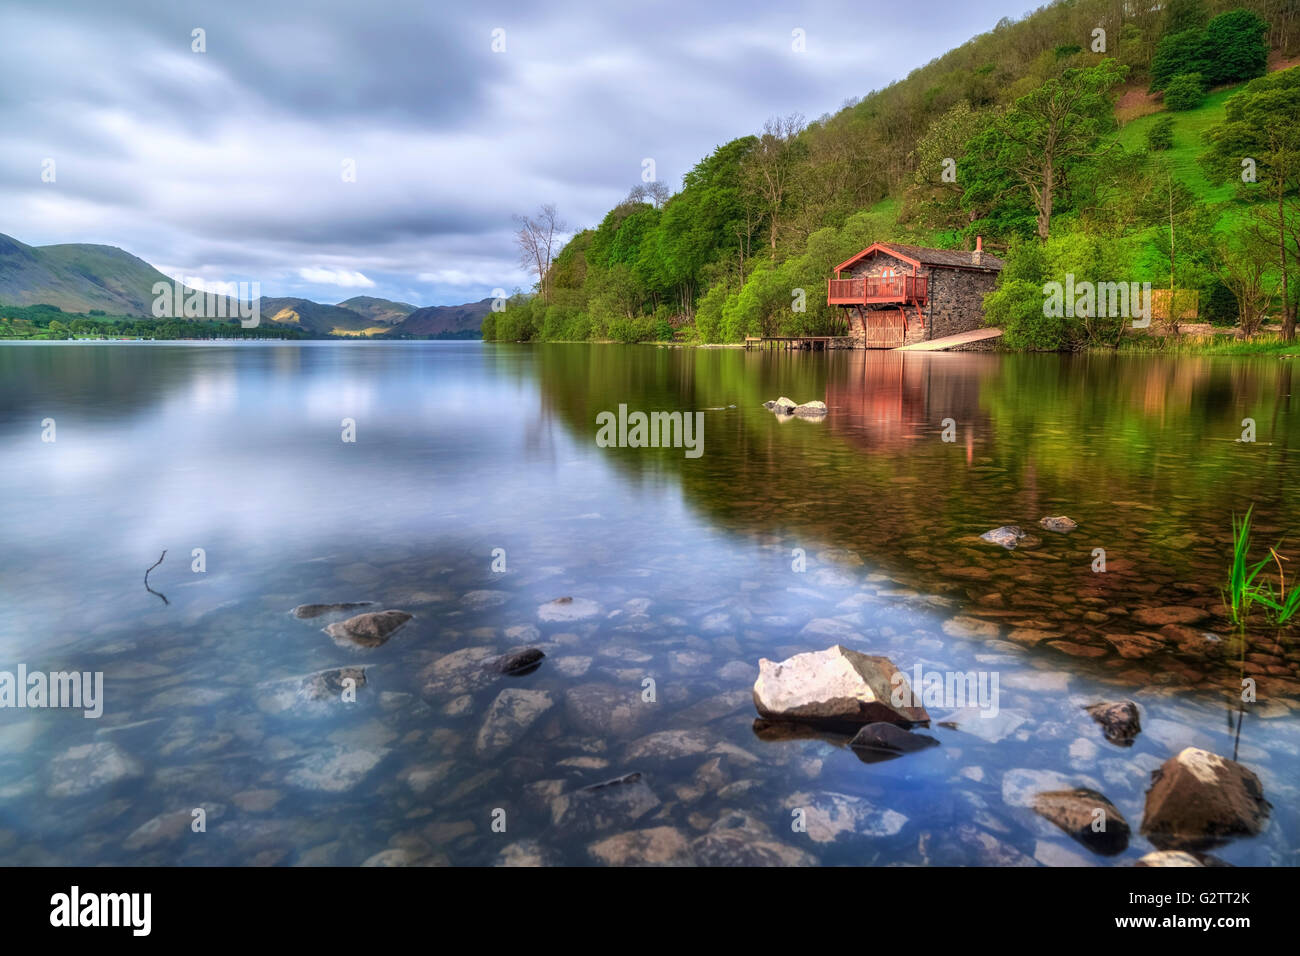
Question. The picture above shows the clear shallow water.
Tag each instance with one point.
(463, 449)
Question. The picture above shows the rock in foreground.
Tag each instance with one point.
(367, 630)
(1119, 721)
(1198, 799)
(1077, 813)
(836, 687)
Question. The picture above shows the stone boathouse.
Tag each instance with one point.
(897, 294)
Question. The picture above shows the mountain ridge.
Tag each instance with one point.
(95, 277)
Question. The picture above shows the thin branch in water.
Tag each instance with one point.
(146, 578)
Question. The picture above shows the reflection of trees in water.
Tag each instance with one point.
(1140, 450)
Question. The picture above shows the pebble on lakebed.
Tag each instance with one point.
(1010, 536)
(1060, 524)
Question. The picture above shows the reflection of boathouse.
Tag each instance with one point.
(896, 294)
(885, 400)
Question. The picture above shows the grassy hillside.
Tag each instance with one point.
(379, 311)
(443, 321)
(76, 277)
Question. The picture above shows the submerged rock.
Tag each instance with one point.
(1178, 858)
(887, 739)
(516, 663)
(460, 672)
(828, 816)
(310, 693)
(568, 609)
(1008, 536)
(87, 767)
(739, 848)
(1171, 614)
(335, 769)
(1198, 798)
(1119, 721)
(1076, 812)
(367, 630)
(305, 612)
(603, 710)
(619, 802)
(833, 687)
(657, 846)
(509, 717)
(1060, 524)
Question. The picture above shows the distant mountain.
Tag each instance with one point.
(76, 277)
(436, 320)
(80, 277)
(379, 311)
(314, 317)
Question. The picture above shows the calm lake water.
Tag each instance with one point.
(475, 494)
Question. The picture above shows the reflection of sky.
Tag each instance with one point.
(246, 458)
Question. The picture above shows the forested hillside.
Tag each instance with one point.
(1026, 135)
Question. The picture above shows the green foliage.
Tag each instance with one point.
(1183, 15)
(1218, 305)
(1230, 48)
(1241, 591)
(1160, 135)
(1237, 47)
(1245, 588)
(1026, 155)
(1179, 53)
(1186, 91)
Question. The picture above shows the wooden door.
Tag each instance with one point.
(886, 328)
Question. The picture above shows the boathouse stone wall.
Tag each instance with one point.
(956, 301)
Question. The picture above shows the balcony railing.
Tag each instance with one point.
(876, 289)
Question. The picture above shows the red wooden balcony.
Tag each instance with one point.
(904, 289)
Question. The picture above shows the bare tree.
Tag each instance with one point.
(537, 239)
(655, 193)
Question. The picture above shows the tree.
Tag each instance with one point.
(769, 172)
(537, 239)
(1179, 53)
(655, 193)
(1161, 134)
(1238, 47)
(1030, 147)
(1259, 130)
(1186, 91)
(1183, 228)
(936, 192)
(1183, 15)
(1241, 262)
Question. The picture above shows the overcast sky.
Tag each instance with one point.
(228, 165)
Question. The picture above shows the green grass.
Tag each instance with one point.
(1263, 344)
(1189, 143)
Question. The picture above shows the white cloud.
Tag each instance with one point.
(349, 280)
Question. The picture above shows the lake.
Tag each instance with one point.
(476, 498)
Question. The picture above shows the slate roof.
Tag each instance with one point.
(947, 257)
(944, 258)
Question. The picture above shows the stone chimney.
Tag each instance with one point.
(977, 257)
